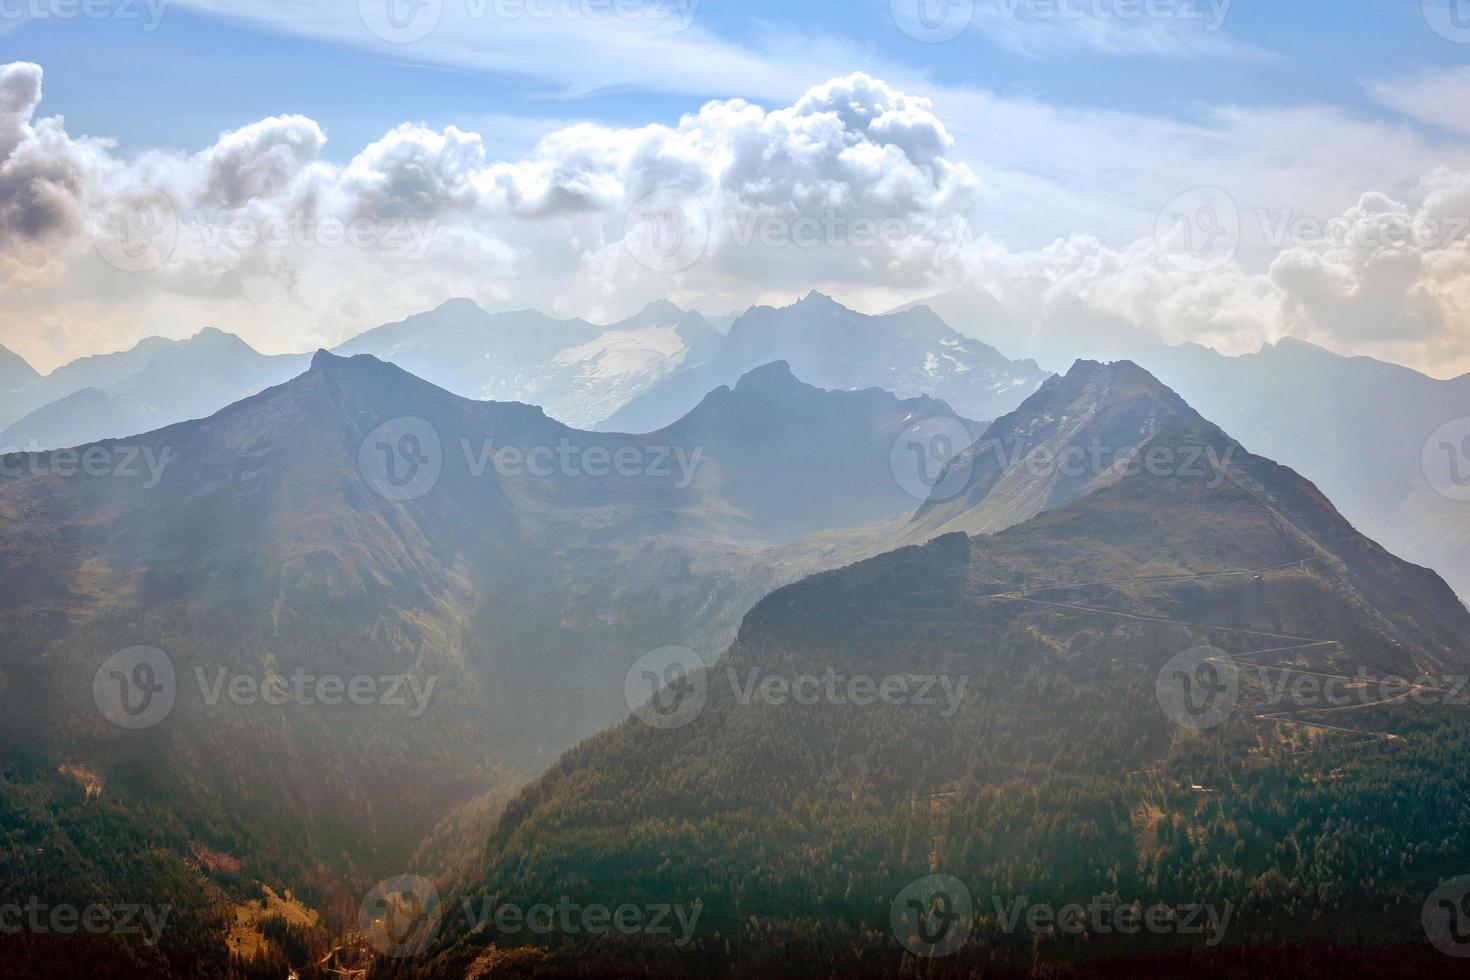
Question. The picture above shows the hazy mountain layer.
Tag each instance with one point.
(912, 353)
(157, 383)
(359, 522)
(578, 372)
(14, 371)
(1360, 429)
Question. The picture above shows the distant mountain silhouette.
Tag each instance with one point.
(911, 353)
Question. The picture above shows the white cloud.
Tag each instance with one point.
(255, 233)
(577, 46)
(1119, 28)
(1439, 97)
(855, 187)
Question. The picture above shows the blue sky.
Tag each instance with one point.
(196, 74)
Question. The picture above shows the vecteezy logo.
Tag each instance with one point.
(1450, 19)
(400, 21)
(1198, 688)
(402, 458)
(933, 916)
(933, 21)
(667, 688)
(1199, 230)
(137, 230)
(1446, 917)
(668, 230)
(1446, 459)
(401, 916)
(925, 459)
(135, 688)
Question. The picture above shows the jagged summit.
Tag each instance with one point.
(1079, 432)
(910, 354)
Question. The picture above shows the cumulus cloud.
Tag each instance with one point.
(41, 171)
(258, 230)
(856, 187)
(1381, 277)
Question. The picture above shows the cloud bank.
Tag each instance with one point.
(855, 187)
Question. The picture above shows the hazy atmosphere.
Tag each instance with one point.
(673, 488)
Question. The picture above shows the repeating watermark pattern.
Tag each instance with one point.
(409, 21)
(1202, 230)
(936, 21)
(1201, 688)
(138, 687)
(925, 459)
(934, 460)
(1198, 689)
(1101, 916)
(1199, 230)
(400, 21)
(410, 237)
(1208, 15)
(140, 229)
(1446, 917)
(401, 916)
(833, 687)
(1450, 19)
(672, 229)
(310, 690)
(145, 463)
(148, 13)
(669, 688)
(933, 21)
(135, 688)
(403, 459)
(1297, 689)
(679, 464)
(122, 919)
(676, 921)
(136, 230)
(1446, 459)
(933, 916)
(1095, 459)
(668, 230)
(1369, 231)
(832, 229)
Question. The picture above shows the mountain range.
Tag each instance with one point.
(513, 570)
(1046, 773)
(516, 564)
(1324, 414)
(156, 383)
(909, 353)
(578, 372)
(14, 371)
(1357, 427)
(637, 375)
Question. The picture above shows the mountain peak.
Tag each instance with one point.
(662, 308)
(819, 299)
(15, 372)
(767, 376)
(460, 305)
(214, 337)
(1094, 417)
(324, 360)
